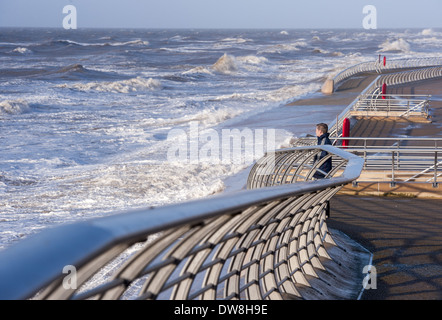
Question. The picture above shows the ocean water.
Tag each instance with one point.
(95, 122)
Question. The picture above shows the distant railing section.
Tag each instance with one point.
(392, 105)
(374, 88)
(404, 77)
(255, 244)
(410, 160)
(379, 67)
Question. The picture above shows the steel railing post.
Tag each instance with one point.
(393, 183)
(435, 184)
(365, 154)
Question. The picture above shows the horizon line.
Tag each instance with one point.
(222, 28)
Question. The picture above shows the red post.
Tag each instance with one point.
(384, 90)
(385, 61)
(345, 132)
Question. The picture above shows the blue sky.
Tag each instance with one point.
(285, 14)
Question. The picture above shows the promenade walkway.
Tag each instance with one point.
(404, 234)
(405, 238)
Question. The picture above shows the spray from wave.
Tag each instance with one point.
(229, 64)
(226, 64)
(428, 32)
(285, 47)
(399, 45)
(14, 106)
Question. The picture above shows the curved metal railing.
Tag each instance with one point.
(378, 66)
(255, 244)
(404, 77)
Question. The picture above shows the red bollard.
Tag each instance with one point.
(384, 90)
(385, 61)
(345, 132)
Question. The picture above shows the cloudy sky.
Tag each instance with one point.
(221, 13)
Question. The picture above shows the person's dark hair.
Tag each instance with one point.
(323, 127)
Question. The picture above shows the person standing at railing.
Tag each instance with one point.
(323, 139)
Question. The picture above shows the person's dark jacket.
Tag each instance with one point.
(327, 165)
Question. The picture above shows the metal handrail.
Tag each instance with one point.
(254, 244)
(417, 163)
(377, 66)
(338, 122)
(417, 160)
(436, 142)
(393, 142)
(401, 106)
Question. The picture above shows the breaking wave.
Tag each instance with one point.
(22, 50)
(124, 86)
(399, 45)
(71, 68)
(226, 64)
(236, 40)
(14, 106)
(280, 48)
(428, 32)
(136, 42)
(251, 59)
(198, 71)
(207, 117)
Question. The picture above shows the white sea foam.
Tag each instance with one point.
(428, 32)
(229, 64)
(123, 86)
(290, 91)
(132, 42)
(206, 117)
(400, 45)
(236, 40)
(427, 41)
(198, 70)
(14, 106)
(136, 42)
(251, 59)
(279, 48)
(22, 50)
